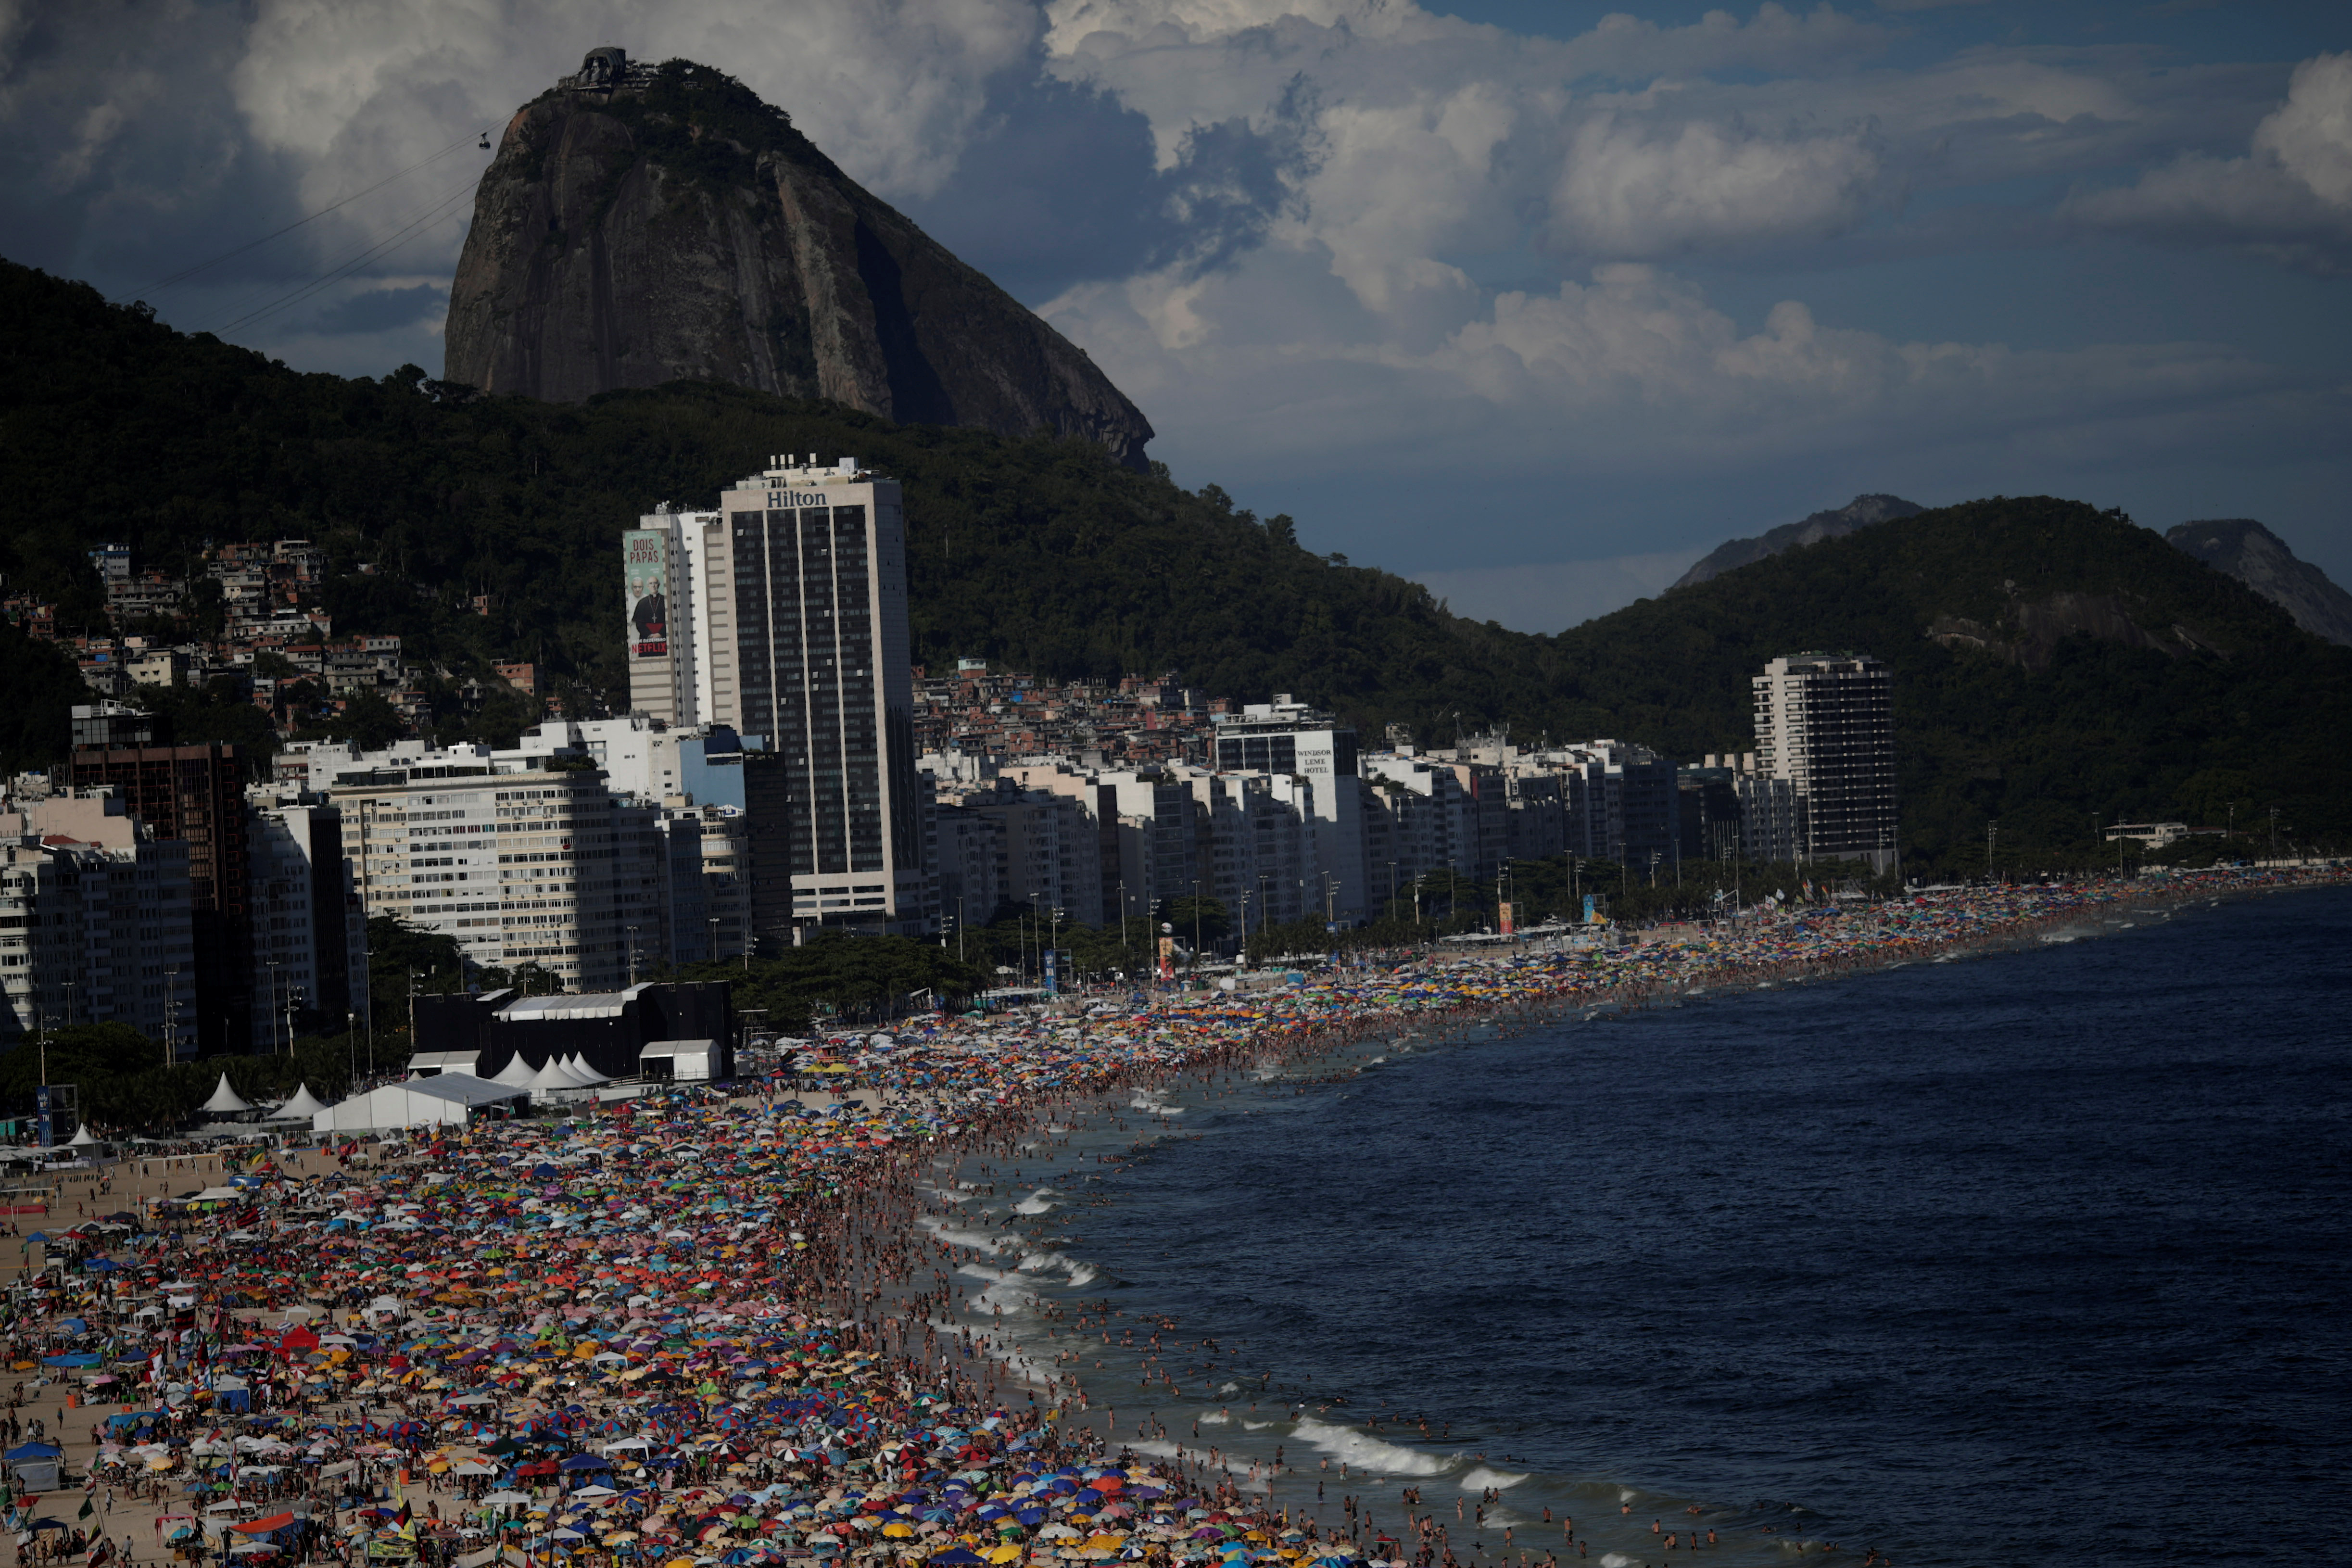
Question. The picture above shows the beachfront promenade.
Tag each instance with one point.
(713, 1328)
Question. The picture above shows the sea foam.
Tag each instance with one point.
(1480, 1477)
(1364, 1451)
(984, 1240)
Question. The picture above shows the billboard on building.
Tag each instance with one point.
(644, 575)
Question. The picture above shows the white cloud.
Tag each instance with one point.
(891, 88)
(2291, 196)
(1624, 190)
(1256, 373)
(137, 136)
(2311, 134)
(1367, 208)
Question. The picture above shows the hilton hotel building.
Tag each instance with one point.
(783, 614)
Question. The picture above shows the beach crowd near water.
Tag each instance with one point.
(742, 1324)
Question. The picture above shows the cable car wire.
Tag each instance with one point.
(185, 273)
(349, 265)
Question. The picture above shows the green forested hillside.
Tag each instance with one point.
(2264, 719)
(1045, 555)
(1038, 552)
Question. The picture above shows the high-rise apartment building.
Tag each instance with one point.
(1825, 723)
(196, 795)
(783, 614)
(95, 924)
(1255, 848)
(523, 859)
(310, 930)
(998, 844)
(1287, 737)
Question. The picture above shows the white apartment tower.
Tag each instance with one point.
(1287, 737)
(783, 614)
(518, 859)
(1825, 723)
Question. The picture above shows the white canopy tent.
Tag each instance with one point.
(449, 1098)
(226, 1101)
(551, 1082)
(302, 1107)
(517, 1074)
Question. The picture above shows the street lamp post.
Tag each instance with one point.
(171, 1014)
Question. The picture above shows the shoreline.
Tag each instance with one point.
(2125, 907)
(844, 1259)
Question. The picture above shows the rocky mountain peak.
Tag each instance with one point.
(2244, 548)
(641, 224)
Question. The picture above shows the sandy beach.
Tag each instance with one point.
(740, 1329)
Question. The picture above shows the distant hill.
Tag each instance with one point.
(2262, 560)
(2052, 660)
(1860, 512)
(644, 225)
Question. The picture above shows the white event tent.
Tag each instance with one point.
(449, 1098)
(302, 1107)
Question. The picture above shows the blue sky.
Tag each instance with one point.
(1534, 299)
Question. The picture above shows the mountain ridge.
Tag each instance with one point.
(2241, 548)
(1861, 511)
(640, 226)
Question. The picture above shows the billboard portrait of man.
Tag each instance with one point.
(646, 586)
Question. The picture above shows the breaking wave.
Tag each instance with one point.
(1365, 1451)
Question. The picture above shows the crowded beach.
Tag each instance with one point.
(731, 1324)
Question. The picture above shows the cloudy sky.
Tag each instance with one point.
(1536, 300)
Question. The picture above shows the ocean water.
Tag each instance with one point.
(2034, 1259)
